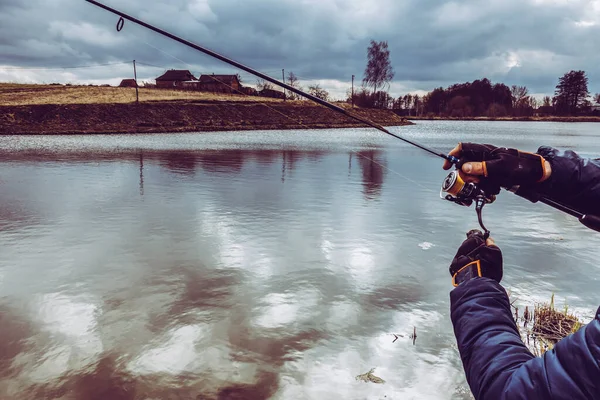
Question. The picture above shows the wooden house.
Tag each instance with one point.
(174, 78)
(249, 91)
(272, 93)
(220, 83)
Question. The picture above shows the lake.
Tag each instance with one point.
(263, 264)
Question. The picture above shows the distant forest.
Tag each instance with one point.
(481, 98)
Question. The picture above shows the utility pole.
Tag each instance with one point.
(137, 96)
(283, 80)
(352, 90)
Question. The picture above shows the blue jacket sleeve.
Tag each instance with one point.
(575, 181)
(497, 363)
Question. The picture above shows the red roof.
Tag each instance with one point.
(128, 83)
(177, 75)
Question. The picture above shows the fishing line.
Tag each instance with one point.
(451, 159)
(393, 171)
(298, 121)
(293, 119)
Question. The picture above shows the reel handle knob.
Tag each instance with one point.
(458, 163)
(474, 232)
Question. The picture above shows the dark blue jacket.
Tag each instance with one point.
(496, 362)
(575, 181)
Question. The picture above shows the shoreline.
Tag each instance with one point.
(508, 119)
(178, 116)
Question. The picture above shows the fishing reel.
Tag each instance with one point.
(465, 193)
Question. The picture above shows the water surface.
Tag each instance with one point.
(258, 264)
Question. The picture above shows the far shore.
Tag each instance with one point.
(71, 109)
(548, 118)
(179, 116)
(67, 109)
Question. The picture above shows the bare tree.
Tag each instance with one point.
(518, 94)
(293, 82)
(416, 104)
(319, 92)
(533, 103)
(597, 98)
(547, 101)
(379, 70)
(399, 102)
(262, 84)
(408, 101)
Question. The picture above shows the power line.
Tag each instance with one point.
(150, 65)
(59, 68)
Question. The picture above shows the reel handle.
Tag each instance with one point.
(458, 163)
(473, 232)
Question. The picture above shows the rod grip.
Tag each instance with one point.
(591, 221)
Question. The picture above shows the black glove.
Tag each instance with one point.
(476, 259)
(504, 167)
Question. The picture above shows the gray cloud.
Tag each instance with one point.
(432, 42)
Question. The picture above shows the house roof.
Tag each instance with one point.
(227, 79)
(128, 82)
(177, 75)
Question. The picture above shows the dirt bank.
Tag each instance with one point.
(177, 116)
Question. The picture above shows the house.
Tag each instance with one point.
(128, 83)
(272, 93)
(220, 83)
(190, 85)
(249, 91)
(174, 78)
(544, 111)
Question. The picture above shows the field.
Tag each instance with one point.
(23, 94)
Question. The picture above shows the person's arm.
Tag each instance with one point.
(574, 181)
(496, 362)
(564, 177)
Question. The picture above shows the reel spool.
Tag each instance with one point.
(464, 193)
(461, 192)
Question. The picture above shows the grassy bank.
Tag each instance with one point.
(57, 109)
(20, 95)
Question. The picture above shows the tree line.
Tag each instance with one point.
(470, 99)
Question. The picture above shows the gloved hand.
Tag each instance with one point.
(476, 257)
(500, 166)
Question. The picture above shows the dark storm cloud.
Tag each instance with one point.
(432, 43)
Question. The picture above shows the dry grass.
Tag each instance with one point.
(547, 326)
(23, 94)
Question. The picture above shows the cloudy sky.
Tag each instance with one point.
(432, 42)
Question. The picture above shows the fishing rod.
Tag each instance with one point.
(458, 191)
